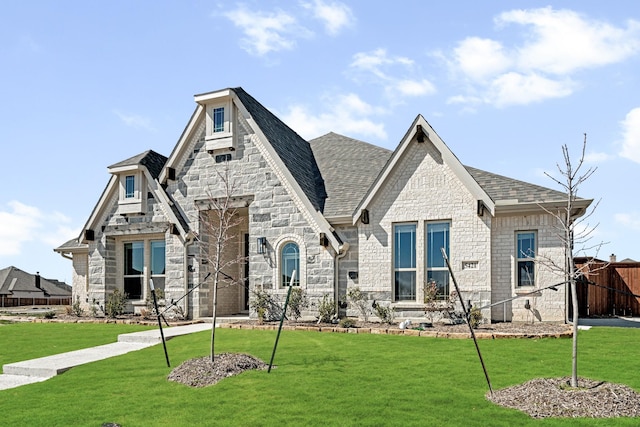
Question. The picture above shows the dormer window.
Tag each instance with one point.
(217, 117)
(131, 198)
(220, 114)
(129, 187)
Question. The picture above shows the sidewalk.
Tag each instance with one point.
(36, 370)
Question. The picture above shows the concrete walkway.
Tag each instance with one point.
(36, 370)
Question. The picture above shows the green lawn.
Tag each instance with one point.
(321, 379)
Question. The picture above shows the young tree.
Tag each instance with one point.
(574, 232)
(220, 222)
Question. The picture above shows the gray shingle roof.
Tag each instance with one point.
(500, 187)
(348, 167)
(294, 151)
(20, 284)
(153, 161)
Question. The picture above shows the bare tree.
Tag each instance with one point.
(220, 220)
(574, 232)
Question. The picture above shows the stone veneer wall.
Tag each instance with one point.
(423, 188)
(549, 305)
(273, 214)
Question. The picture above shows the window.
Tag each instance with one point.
(143, 260)
(130, 186)
(437, 237)
(221, 158)
(290, 261)
(217, 117)
(404, 261)
(525, 256)
(158, 263)
(133, 269)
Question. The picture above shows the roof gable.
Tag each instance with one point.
(418, 132)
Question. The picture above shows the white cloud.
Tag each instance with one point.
(346, 114)
(631, 136)
(266, 32)
(557, 43)
(334, 15)
(20, 223)
(521, 89)
(562, 41)
(396, 74)
(596, 157)
(480, 58)
(135, 121)
(629, 220)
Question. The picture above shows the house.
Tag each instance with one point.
(19, 288)
(340, 212)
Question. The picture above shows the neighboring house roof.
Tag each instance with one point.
(16, 283)
(153, 161)
(294, 151)
(348, 167)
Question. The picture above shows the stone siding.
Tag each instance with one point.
(548, 305)
(422, 188)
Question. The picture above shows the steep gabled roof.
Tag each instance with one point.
(421, 130)
(153, 161)
(294, 151)
(348, 167)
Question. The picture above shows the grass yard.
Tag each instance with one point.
(321, 379)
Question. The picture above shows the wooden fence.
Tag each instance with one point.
(21, 302)
(613, 291)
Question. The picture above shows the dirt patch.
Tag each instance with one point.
(202, 372)
(553, 397)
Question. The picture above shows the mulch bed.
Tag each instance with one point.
(553, 397)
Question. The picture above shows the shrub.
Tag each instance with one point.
(326, 309)
(360, 301)
(76, 308)
(475, 317)
(265, 306)
(385, 314)
(116, 303)
(49, 314)
(298, 301)
(347, 322)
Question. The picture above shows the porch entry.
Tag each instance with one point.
(233, 283)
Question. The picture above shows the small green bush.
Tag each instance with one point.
(475, 317)
(326, 309)
(360, 300)
(115, 304)
(76, 308)
(49, 314)
(347, 322)
(264, 305)
(385, 314)
(298, 301)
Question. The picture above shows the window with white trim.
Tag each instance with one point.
(525, 258)
(404, 261)
(289, 261)
(143, 260)
(218, 122)
(130, 186)
(436, 238)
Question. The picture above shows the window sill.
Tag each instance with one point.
(219, 143)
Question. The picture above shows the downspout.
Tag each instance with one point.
(189, 240)
(342, 252)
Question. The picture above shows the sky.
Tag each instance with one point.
(506, 85)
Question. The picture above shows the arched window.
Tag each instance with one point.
(290, 261)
